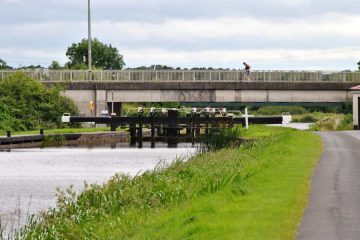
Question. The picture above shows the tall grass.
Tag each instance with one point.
(123, 201)
(334, 123)
(222, 138)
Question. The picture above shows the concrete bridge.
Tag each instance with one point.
(209, 86)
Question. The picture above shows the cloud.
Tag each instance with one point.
(186, 31)
(160, 10)
(179, 34)
(331, 25)
(236, 57)
(14, 1)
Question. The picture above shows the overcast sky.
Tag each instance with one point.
(269, 34)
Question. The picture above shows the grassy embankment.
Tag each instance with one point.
(256, 191)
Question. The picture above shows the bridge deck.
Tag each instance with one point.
(189, 75)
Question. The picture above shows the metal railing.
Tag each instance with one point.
(187, 76)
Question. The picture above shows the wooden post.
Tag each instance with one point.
(152, 131)
(113, 123)
(172, 128)
(132, 134)
(140, 132)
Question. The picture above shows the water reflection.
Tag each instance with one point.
(35, 173)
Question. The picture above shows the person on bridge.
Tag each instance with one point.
(247, 71)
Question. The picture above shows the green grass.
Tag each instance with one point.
(256, 191)
(271, 208)
(334, 122)
(61, 130)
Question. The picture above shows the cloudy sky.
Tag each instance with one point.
(269, 34)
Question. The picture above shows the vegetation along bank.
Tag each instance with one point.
(254, 191)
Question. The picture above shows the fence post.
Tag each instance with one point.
(129, 76)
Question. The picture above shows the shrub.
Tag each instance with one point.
(27, 104)
(308, 118)
(278, 110)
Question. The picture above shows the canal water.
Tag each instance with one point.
(29, 177)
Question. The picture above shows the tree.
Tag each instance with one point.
(103, 56)
(31, 67)
(55, 65)
(26, 104)
(358, 65)
(3, 65)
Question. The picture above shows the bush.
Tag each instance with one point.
(278, 110)
(308, 118)
(27, 104)
(346, 123)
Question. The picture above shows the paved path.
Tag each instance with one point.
(334, 207)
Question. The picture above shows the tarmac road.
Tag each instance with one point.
(334, 208)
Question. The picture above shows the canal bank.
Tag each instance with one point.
(65, 139)
(256, 191)
(29, 177)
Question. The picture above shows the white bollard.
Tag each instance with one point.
(246, 119)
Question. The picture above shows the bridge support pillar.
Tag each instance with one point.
(100, 101)
(356, 107)
(115, 107)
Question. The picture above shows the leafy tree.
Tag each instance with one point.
(3, 65)
(103, 56)
(161, 67)
(358, 65)
(27, 104)
(55, 65)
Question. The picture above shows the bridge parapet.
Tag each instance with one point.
(187, 76)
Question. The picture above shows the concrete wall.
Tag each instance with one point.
(229, 96)
(82, 99)
(356, 96)
(102, 97)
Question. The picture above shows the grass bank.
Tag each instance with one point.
(256, 191)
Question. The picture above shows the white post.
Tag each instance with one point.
(89, 40)
(112, 102)
(246, 119)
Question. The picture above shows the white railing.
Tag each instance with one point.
(187, 76)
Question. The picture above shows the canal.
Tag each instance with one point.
(29, 177)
